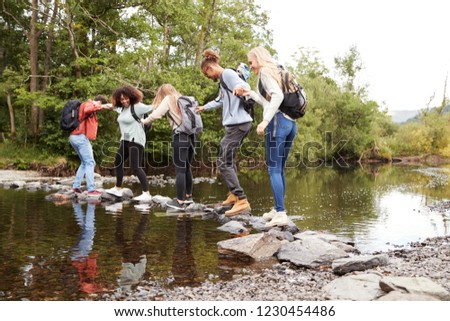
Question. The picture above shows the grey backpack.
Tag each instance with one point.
(191, 121)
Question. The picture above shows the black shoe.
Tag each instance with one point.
(175, 205)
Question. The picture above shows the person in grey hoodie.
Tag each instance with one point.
(237, 123)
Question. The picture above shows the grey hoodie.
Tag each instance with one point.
(233, 112)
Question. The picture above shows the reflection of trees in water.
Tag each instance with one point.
(330, 198)
(184, 269)
(134, 259)
(336, 198)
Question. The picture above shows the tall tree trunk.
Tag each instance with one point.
(49, 46)
(72, 42)
(209, 10)
(166, 45)
(34, 65)
(444, 98)
(2, 56)
(198, 52)
(11, 115)
(48, 54)
(93, 33)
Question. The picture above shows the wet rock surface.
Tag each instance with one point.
(311, 265)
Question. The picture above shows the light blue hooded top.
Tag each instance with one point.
(233, 113)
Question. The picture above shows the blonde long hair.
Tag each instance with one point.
(267, 65)
(167, 90)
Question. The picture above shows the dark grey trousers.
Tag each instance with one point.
(229, 146)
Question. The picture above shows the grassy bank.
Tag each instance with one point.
(32, 158)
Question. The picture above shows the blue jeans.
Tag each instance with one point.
(280, 134)
(87, 224)
(83, 147)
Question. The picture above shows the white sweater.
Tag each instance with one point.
(270, 108)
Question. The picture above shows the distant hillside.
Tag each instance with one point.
(401, 116)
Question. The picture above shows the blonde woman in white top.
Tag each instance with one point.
(278, 128)
(165, 103)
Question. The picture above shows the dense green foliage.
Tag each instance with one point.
(52, 51)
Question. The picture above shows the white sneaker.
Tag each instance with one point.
(144, 197)
(269, 215)
(279, 219)
(115, 191)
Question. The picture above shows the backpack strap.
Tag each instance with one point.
(262, 91)
(173, 120)
(285, 81)
(228, 90)
(223, 84)
(133, 113)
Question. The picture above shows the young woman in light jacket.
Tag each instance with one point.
(279, 129)
(165, 103)
(132, 139)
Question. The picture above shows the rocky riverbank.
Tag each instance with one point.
(419, 273)
(311, 266)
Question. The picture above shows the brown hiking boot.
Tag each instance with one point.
(239, 207)
(231, 199)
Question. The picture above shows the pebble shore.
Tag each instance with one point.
(429, 258)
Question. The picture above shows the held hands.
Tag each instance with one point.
(107, 106)
(199, 109)
(261, 127)
(145, 121)
(240, 91)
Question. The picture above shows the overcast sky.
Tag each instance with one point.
(404, 45)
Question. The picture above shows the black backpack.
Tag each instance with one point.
(294, 102)
(69, 115)
(244, 73)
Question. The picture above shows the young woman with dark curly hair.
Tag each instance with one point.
(132, 139)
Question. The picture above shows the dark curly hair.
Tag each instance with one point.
(132, 93)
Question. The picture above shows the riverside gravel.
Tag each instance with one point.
(283, 282)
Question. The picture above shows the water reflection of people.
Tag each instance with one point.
(134, 259)
(184, 269)
(82, 258)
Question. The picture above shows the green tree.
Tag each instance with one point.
(339, 124)
(76, 49)
(348, 66)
